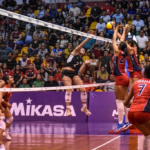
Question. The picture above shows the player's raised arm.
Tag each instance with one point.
(77, 49)
(115, 47)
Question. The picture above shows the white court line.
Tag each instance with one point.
(106, 143)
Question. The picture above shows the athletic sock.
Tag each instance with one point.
(84, 105)
(126, 110)
(120, 108)
(146, 144)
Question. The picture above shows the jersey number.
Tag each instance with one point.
(122, 60)
(75, 65)
(142, 86)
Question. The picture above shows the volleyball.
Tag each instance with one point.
(109, 25)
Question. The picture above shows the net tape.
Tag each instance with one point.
(50, 25)
(53, 88)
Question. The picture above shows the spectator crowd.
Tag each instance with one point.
(35, 55)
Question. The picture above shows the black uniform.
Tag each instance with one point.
(75, 63)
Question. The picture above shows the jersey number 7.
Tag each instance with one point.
(142, 88)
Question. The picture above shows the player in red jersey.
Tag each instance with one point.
(133, 65)
(122, 80)
(6, 96)
(139, 113)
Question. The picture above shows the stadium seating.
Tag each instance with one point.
(85, 58)
(32, 59)
(88, 13)
(17, 59)
(25, 50)
(36, 12)
(93, 26)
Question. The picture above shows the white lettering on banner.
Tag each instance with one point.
(32, 110)
(47, 111)
(58, 110)
(114, 113)
(18, 109)
(35, 110)
(28, 110)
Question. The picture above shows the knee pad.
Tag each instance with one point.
(83, 96)
(68, 97)
(2, 125)
(10, 120)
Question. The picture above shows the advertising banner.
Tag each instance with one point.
(45, 106)
(103, 107)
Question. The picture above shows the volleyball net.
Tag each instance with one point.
(50, 25)
(37, 22)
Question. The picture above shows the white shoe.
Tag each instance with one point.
(2, 147)
(86, 111)
(7, 136)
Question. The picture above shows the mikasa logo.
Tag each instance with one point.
(39, 110)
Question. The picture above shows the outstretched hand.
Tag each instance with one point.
(87, 62)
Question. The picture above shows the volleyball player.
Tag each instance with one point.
(134, 69)
(2, 115)
(122, 80)
(139, 113)
(6, 96)
(70, 75)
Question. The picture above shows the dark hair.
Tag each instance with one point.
(130, 41)
(86, 75)
(50, 75)
(46, 54)
(147, 71)
(123, 47)
(6, 78)
(91, 55)
(133, 31)
(9, 53)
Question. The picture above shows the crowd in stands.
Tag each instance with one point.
(35, 55)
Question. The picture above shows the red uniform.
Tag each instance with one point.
(133, 66)
(140, 109)
(119, 69)
(7, 95)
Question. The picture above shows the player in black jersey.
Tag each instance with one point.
(73, 67)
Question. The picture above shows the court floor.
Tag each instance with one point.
(69, 136)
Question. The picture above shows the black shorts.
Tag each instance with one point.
(69, 73)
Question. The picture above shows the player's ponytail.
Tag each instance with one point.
(123, 47)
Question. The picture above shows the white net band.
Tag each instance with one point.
(53, 88)
(50, 25)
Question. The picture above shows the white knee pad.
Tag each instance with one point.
(83, 96)
(2, 125)
(68, 97)
(10, 120)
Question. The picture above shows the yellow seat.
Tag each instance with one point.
(25, 50)
(16, 11)
(99, 90)
(23, 34)
(93, 26)
(85, 58)
(88, 13)
(58, 10)
(46, 33)
(47, 10)
(141, 58)
(17, 59)
(32, 59)
(36, 12)
(51, 47)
